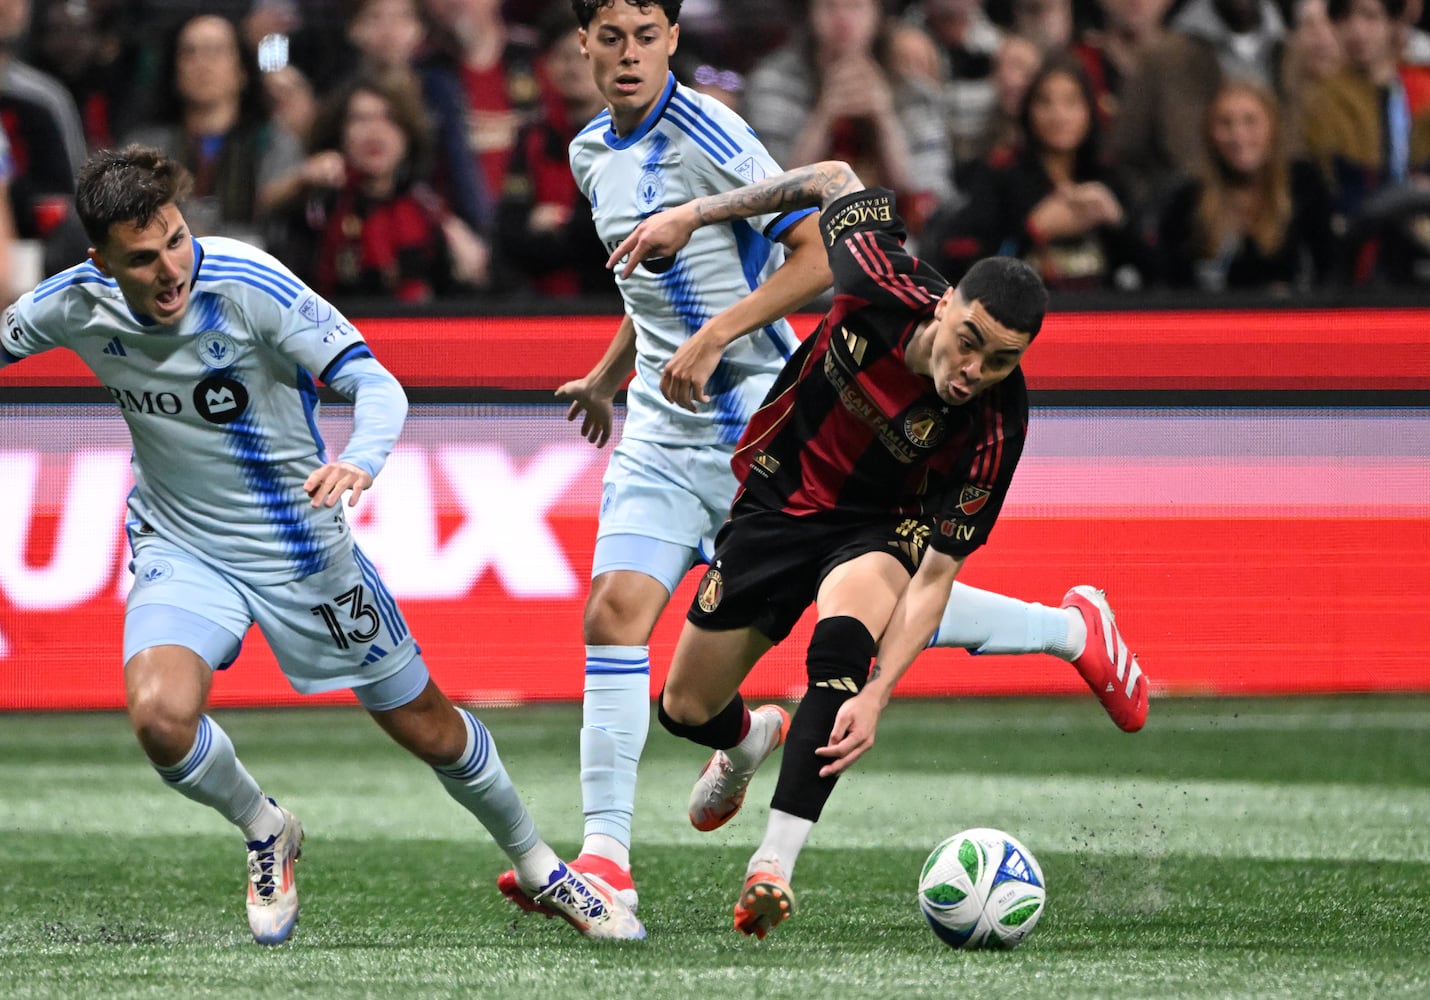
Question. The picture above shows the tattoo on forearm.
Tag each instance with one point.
(875, 671)
(804, 187)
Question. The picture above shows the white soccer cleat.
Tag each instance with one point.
(589, 904)
(766, 899)
(272, 890)
(720, 790)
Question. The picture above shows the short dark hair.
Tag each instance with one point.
(586, 9)
(1010, 290)
(1339, 10)
(127, 185)
(403, 98)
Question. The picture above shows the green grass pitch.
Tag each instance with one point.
(1265, 848)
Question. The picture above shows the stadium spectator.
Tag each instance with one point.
(9, 283)
(878, 463)
(1056, 204)
(1313, 55)
(488, 68)
(84, 45)
(1048, 24)
(545, 230)
(1368, 128)
(967, 42)
(369, 225)
(47, 145)
(212, 118)
(831, 93)
(1158, 137)
(1014, 69)
(1414, 39)
(236, 519)
(1253, 220)
(387, 36)
(1111, 53)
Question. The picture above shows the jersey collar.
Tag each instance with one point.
(639, 132)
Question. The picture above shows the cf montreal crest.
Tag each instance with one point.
(220, 400)
(650, 191)
(217, 350)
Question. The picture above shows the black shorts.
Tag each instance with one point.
(768, 565)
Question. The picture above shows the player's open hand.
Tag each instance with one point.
(594, 409)
(686, 374)
(327, 485)
(661, 235)
(853, 733)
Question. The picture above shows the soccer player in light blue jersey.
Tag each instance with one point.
(705, 334)
(212, 351)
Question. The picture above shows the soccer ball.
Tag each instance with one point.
(981, 889)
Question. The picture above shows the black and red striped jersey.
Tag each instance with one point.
(847, 426)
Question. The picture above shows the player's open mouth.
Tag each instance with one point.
(959, 392)
(628, 84)
(169, 297)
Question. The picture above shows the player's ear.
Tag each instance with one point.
(97, 259)
(945, 302)
(674, 39)
(581, 37)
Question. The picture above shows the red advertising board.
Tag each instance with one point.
(1246, 550)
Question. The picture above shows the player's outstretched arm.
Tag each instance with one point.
(591, 395)
(664, 233)
(911, 626)
(803, 275)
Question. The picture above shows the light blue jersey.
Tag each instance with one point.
(688, 146)
(221, 407)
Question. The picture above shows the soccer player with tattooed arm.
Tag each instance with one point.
(878, 463)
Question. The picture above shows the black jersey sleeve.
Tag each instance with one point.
(964, 514)
(864, 237)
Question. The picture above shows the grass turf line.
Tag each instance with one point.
(1233, 849)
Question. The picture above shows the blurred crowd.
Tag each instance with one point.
(406, 150)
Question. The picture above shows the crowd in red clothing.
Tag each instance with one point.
(411, 149)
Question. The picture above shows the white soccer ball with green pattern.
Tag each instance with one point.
(982, 889)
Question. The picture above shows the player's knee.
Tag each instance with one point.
(165, 729)
(839, 654)
(616, 617)
(680, 713)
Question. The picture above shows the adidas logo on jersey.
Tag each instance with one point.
(115, 348)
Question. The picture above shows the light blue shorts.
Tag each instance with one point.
(661, 506)
(338, 628)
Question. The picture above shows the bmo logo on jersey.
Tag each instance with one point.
(220, 400)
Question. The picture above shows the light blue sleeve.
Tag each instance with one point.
(379, 409)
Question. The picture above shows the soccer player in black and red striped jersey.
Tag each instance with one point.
(877, 464)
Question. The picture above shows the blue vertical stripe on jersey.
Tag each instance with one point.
(680, 291)
(392, 614)
(301, 545)
(755, 251)
(208, 310)
(308, 393)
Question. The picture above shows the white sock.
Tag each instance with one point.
(749, 750)
(211, 773)
(615, 723)
(784, 839)
(985, 622)
(481, 785)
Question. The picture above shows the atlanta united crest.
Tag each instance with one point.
(712, 588)
(923, 427)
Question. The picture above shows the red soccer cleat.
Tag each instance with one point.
(1109, 668)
